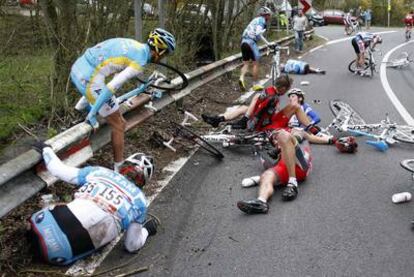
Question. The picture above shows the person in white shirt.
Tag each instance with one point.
(300, 23)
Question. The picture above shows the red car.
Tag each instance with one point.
(27, 2)
(333, 16)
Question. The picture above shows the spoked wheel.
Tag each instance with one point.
(176, 79)
(408, 165)
(404, 133)
(338, 106)
(352, 65)
(274, 74)
(190, 135)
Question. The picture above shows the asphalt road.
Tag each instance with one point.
(343, 222)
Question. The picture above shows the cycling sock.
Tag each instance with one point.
(117, 165)
(261, 199)
(293, 181)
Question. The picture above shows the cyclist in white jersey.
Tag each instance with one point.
(360, 42)
(299, 67)
(250, 51)
(106, 204)
(125, 58)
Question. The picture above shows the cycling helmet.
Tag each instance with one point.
(347, 144)
(265, 11)
(378, 38)
(138, 168)
(161, 41)
(296, 91)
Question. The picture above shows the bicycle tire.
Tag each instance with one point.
(190, 135)
(352, 65)
(183, 85)
(404, 133)
(337, 105)
(273, 73)
(372, 68)
(408, 164)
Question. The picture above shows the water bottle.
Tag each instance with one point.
(250, 182)
(401, 197)
(48, 201)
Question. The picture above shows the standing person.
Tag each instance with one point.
(125, 58)
(358, 14)
(368, 18)
(250, 52)
(300, 23)
(106, 204)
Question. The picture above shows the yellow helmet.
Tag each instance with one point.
(161, 41)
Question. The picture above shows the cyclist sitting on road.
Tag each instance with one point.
(297, 96)
(105, 204)
(360, 42)
(250, 51)
(299, 67)
(409, 22)
(125, 58)
(295, 161)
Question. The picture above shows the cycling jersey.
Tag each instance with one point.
(265, 109)
(123, 56)
(409, 20)
(312, 115)
(255, 29)
(295, 66)
(105, 204)
(364, 37)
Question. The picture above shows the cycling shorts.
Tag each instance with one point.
(358, 45)
(277, 121)
(70, 232)
(250, 51)
(90, 83)
(302, 156)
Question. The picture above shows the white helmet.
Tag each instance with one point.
(265, 10)
(296, 91)
(138, 168)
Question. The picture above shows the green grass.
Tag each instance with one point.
(24, 90)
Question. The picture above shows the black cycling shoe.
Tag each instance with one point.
(254, 206)
(240, 124)
(290, 192)
(212, 119)
(151, 225)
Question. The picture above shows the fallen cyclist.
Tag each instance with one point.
(106, 204)
(299, 67)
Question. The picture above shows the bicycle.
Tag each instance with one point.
(368, 64)
(275, 66)
(384, 133)
(353, 27)
(408, 33)
(402, 60)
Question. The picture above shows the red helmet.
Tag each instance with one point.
(347, 144)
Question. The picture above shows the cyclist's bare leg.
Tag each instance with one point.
(244, 69)
(252, 105)
(287, 146)
(255, 71)
(267, 181)
(118, 125)
(294, 109)
(235, 113)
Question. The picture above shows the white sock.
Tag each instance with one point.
(117, 165)
(262, 199)
(293, 181)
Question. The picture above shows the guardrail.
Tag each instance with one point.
(18, 182)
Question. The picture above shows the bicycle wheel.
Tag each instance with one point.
(408, 165)
(170, 72)
(352, 65)
(404, 133)
(190, 135)
(338, 106)
(274, 73)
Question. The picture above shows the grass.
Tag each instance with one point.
(23, 90)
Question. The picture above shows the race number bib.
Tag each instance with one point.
(110, 198)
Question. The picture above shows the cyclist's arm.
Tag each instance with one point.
(57, 168)
(135, 237)
(313, 115)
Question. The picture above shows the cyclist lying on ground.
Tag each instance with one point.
(105, 204)
(299, 67)
(125, 58)
(295, 161)
(360, 42)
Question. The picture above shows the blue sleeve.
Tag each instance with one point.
(104, 95)
(83, 173)
(314, 116)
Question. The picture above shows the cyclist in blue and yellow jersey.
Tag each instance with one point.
(299, 67)
(105, 204)
(360, 42)
(125, 58)
(250, 52)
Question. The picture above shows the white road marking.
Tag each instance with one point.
(390, 93)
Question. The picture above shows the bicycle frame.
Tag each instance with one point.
(399, 63)
(275, 67)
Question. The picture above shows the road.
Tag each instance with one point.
(343, 222)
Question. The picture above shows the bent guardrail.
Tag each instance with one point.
(18, 182)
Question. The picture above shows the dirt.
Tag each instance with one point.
(214, 97)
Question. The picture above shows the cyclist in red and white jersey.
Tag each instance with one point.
(409, 22)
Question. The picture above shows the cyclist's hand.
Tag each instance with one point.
(39, 146)
(91, 120)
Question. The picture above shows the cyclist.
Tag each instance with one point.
(125, 58)
(296, 161)
(106, 204)
(409, 21)
(299, 67)
(348, 21)
(298, 96)
(360, 42)
(249, 49)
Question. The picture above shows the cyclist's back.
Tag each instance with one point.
(365, 37)
(295, 66)
(255, 28)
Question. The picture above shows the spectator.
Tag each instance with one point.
(358, 14)
(368, 18)
(299, 26)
